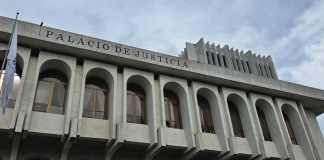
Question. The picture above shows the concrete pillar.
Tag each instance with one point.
(76, 106)
(29, 87)
(313, 130)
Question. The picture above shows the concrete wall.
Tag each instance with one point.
(64, 136)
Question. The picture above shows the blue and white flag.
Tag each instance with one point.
(9, 73)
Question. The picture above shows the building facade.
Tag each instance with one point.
(81, 98)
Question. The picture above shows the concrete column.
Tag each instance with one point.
(76, 107)
(25, 55)
(313, 130)
(29, 87)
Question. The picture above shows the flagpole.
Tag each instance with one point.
(6, 53)
(10, 60)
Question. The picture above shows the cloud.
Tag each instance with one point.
(290, 30)
(300, 54)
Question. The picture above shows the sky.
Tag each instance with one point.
(291, 31)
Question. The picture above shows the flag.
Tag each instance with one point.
(10, 69)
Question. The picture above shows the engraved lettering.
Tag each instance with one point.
(90, 43)
(60, 37)
(160, 58)
(153, 57)
(49, 33)
(171, 61)
(80, 41)
(145, 55)
(98, 44)
(105, 46)
(70, 39)
(118, 49)
(137, 54)
(126, 51)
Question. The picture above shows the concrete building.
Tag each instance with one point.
(81, 98)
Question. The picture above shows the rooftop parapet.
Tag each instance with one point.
(230, 58)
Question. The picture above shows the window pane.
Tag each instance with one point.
(205, 115)
(95, 102)
(58, 96)
(42, 96)
(236, 120)
(172, 110)
(50, 95)
(290, 129)
(136, 112)
(264, 125)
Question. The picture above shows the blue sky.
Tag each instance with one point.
(291, 31)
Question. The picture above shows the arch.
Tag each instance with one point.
(205, 99)
(236, 105)
(290, 115)
(262, 108)
(174, 103)
(139, 95)
(97, 95)
(17, 77)
(52, 87)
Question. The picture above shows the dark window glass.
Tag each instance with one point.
(236, 120)
(136, 110)
(243, 67)
(264, 124)
(234, 64)
(95, 99)
(50, 93)
(261, 71)
(224, 59)
(290, 129)
(218, 60)
(266, 70)
(172, 110)
(206, 118)
(238, 65)
(208, 60)
(271, 72)
(248, 66)
(213, 58)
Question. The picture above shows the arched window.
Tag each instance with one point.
(172, 110)
(264, 124)
(95, 98)
(205, 115)
(17, 79)
(51, 91)
(136, 110)
(290, 129)
(236, 120)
